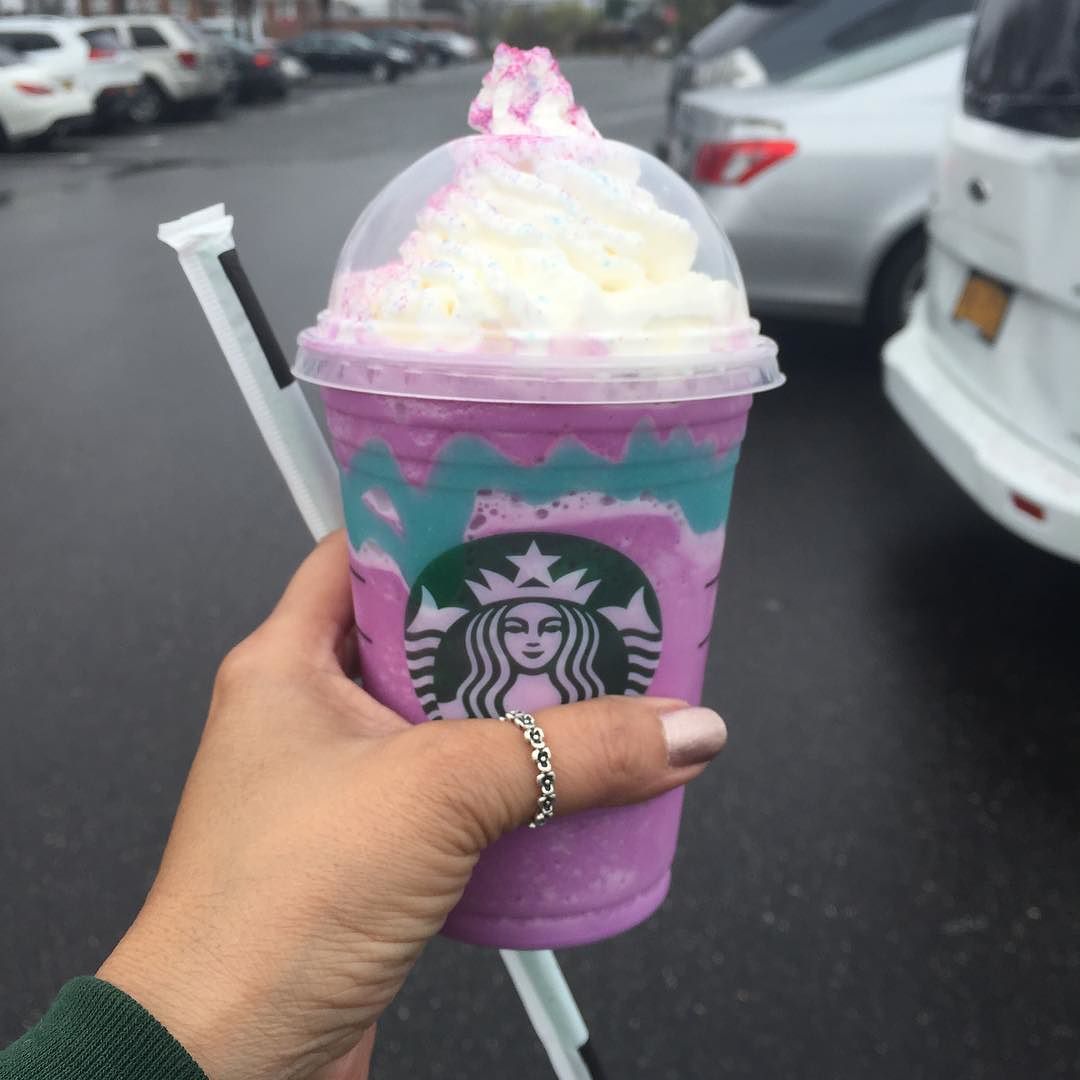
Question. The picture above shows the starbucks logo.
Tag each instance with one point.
(527, 620)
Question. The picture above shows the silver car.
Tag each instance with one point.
(823, 183)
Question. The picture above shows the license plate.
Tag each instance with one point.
(983, 303)
(68, 84)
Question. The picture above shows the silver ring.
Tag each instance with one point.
(541, 755)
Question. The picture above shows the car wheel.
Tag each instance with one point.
(150, 104)
(380, 72)
(898, 280)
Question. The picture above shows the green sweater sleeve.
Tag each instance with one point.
(95, 1032)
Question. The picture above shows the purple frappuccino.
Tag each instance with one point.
(537, 365)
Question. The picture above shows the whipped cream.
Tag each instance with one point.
(525, 93)
(544, 242)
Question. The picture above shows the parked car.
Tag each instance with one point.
(36, 105)
(68, 49)
(259, 71)
(336, 50)
(769, 41)
(823, 182)
(986, 371)
(181, 67)
(460, 48)
(221, 26)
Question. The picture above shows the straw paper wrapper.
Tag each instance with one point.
(204, 242)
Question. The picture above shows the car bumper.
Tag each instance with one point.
(51, 119)
(789, 268)
(1011, 479)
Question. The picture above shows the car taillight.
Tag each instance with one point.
(33, 88)
(263, 59)
(98, 53)
(188, 59)
(737, 162)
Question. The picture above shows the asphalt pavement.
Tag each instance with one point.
(879, 878)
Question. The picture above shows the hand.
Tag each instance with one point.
(321, 840)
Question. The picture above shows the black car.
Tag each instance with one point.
(329, 50)
(258, 71)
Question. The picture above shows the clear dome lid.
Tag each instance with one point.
(562, 269)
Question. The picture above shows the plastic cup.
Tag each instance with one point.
(536, 522)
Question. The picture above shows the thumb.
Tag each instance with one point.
(606, 752)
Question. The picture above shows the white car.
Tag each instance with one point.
(987, 373)
(180, 66)
(68, 49)
(35, 104)
(823, 182)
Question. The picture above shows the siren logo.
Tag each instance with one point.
(527, 620)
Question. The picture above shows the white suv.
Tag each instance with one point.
(986, 373)
(180, 66)
(68, 50)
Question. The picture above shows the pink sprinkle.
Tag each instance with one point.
(520, 80)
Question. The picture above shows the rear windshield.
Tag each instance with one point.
(738, 24)
(890, 55)
(818, 30)
(7, 57)
(24, 41)
(1023, 70)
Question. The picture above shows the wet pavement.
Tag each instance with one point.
(879, 878)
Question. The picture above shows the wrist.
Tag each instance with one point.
(189, 997)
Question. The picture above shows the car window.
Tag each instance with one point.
(146, 37)
(892, 54)
(362, 40)
(893, 18)
(101, 38)
(819, 30)
(24, 41)
(738, 24)
(1023, 70)
(7, 57)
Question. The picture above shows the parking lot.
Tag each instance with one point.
(879, 876)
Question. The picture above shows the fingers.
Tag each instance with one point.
(606, 752)
(315, 612)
